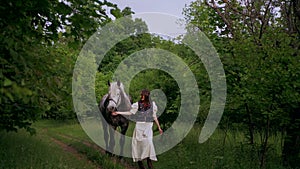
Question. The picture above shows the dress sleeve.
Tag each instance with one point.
(154, 109)
(134, 108)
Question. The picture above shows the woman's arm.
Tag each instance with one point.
(157, 123)
(122, 113)
(155, 117)
(133, 110)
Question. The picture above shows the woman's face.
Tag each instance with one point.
(142, 97)
(145, 95)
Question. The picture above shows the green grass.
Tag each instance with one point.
(52, 127)
(71, 133)
(234, 153)
(20, 150)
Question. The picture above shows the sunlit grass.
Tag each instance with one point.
(21, 150)
(224, 150)
(217, 152)
(71, 133)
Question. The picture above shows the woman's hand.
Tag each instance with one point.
(114, 113)
(160, 130)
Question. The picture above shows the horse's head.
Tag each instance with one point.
(117, 98)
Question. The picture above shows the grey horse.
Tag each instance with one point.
(115, 99)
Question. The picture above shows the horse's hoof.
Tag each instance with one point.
(108, 153)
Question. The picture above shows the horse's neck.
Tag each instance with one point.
(125, 101)
(102, 103)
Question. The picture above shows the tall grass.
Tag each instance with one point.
(223, 150)
(23, 151)
(219, 152)
(71, 133)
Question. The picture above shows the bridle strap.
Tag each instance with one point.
(116, 102)
(113, 101)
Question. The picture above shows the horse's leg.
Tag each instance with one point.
(104, 126)
(112, 138)
(124, 128)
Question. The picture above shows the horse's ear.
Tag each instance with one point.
(108, 83)
(119, 83)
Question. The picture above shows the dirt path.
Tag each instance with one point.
(74, 152)
(81, 156)
(89, 144)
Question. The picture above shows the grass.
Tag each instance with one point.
(71, 133)
(217, 154)
(20, 150)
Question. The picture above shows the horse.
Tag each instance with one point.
(115, 100)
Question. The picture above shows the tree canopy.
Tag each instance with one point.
(258, 42)
(39, 44)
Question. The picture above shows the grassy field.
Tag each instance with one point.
(65, 145)
(218, 153)
(21, 150)
(56, 145)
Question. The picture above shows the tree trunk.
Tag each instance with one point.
(291, 146)
(264, 146)
(250, 124)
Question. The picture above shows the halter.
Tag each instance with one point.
(116, 102)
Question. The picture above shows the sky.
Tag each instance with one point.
(173, 7)
(166, 19)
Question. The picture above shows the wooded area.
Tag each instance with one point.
(257, 41)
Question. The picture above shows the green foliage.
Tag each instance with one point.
(39, 42)
(203, 18)
(259, 50)
(140, 46)
(223, 150)
(55, 84)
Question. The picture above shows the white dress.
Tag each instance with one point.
(142, 139)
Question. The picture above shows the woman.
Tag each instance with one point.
(144, 112)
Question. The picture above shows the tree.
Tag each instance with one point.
(30, 63)
(259, 45)
(151, 79)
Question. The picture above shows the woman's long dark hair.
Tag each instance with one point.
(147, 100)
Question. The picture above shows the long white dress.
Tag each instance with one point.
(142, 139)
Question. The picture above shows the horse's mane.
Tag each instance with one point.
(125, 104)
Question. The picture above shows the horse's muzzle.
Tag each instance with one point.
(111, 109)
